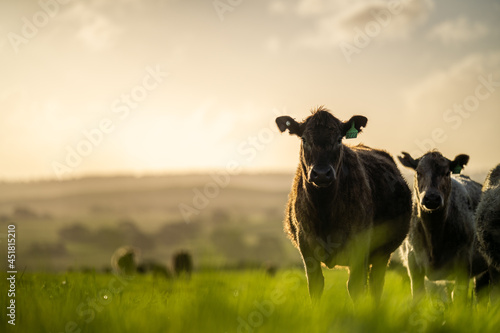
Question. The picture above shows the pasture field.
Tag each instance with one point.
(69, 230)
(227, 301)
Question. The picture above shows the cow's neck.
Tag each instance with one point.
(320, 200)
(434, 226)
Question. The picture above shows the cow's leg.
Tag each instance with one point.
(481, 286)
(312, 265)
(494, 285)
(417, 276)
(461, 288)
(358, 274)
(377, 276)
(358, 267)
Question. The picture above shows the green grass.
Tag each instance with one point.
(228, 301)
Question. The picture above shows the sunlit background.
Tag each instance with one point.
(151, 123)
(228, 68)
(145, 179)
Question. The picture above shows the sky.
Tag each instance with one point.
(166, 86)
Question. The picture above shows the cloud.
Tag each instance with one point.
(315, 7)
(278, 7)
(440, 90)
(95, 29)
(98, 32)
(402, 20)
(273, 44)
(311, 7)
(340, 20)
(457, 30)
(456, 110)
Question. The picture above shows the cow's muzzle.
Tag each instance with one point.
(432, 201)
(322, 175)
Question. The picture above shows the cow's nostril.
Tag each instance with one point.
(322, 175)
(431, 201)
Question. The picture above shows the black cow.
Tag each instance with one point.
(488, 227)
(348, 206)
(442, 229)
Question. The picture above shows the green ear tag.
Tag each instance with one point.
(352, 133)
(456, 170)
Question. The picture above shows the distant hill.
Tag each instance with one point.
(234, 220)
(81, 222)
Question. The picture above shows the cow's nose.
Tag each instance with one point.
(432, 201)
(322, 175)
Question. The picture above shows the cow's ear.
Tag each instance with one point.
(408, 161)
(352, 127)
(287, 122)
(458, 163)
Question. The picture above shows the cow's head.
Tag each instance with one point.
(493, 178)
(432, 179)
(321, 147)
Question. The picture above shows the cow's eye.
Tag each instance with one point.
(304, 141)
(339, 141)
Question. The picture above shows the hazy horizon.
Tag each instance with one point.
(131, 87)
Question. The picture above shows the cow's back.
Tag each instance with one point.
(391, 197)
(488, 219)
(460, 212)
(466, 206)
(472, 187)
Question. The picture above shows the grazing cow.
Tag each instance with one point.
(183, 263)
(488, 227)
(156, 268)
(442, 229)
(348, 206)
(124, 260)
